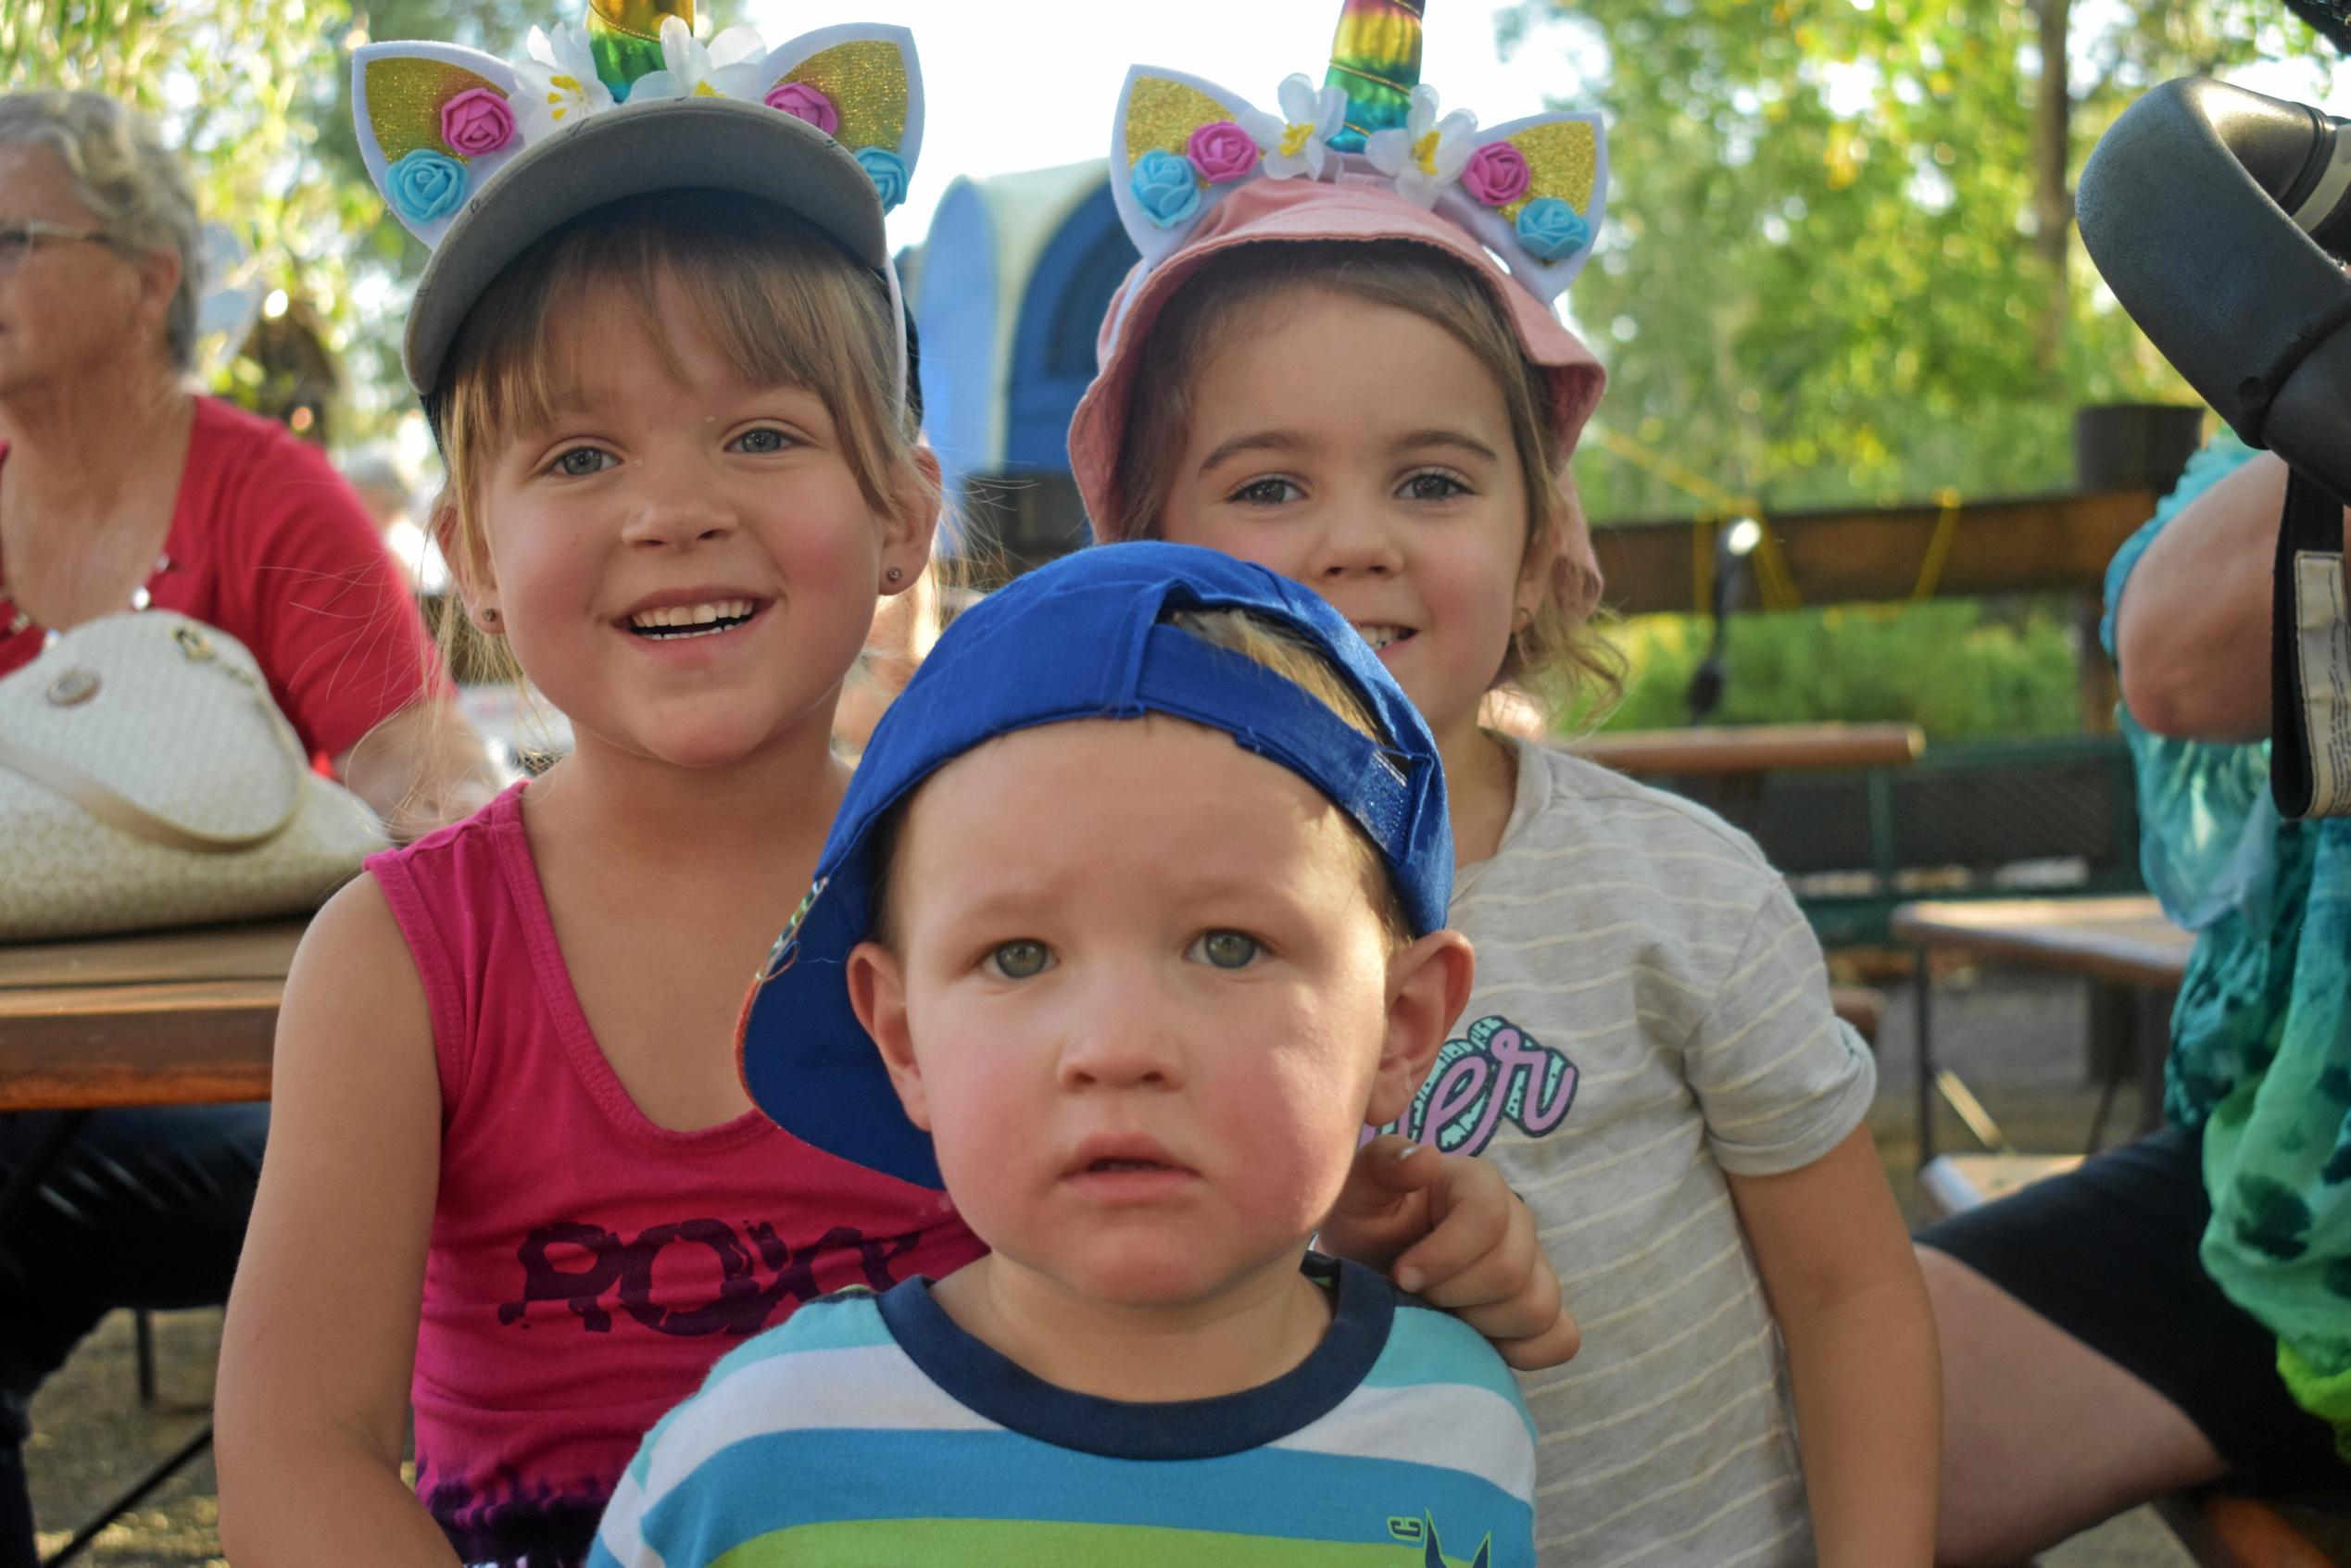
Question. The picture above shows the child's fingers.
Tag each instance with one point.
(1481, 1250)
(1388, 1168)
(1555, 1346)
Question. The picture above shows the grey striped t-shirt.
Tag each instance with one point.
(1650, 1011)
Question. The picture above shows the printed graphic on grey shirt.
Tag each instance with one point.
(1499, 1069)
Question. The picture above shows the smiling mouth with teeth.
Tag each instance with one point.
(1380, 636)
(673, 621)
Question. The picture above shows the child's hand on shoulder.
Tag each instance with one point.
(1447, 1228)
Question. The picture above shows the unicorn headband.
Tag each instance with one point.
(1532, 190)
(479, 157)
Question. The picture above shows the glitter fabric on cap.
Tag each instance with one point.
(1196, 171)
(479, 157)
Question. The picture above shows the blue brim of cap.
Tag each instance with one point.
(1082, 638)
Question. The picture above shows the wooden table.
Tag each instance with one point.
(180, 1017)
(1722, 750)
(2125, 943)
(1724, 767)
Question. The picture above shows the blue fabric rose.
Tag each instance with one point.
(425, 186)
(1550, 229)
(1167, 186)
(889, 173)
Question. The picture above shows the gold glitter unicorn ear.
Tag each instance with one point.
(1179, 145)
(435, 120)
(1534, 191)
(862, 86)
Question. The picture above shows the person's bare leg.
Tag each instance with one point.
(2042, 1436)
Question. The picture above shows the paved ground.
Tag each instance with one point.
(2015, 1040)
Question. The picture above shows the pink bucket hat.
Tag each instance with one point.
(1197, 172)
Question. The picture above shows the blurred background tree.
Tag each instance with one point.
(1838, 263)
(1839, 266)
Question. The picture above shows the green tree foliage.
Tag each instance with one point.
(1958, 668)
(239, 87)
(1838, 262)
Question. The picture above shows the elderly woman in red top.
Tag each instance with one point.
(121, 489)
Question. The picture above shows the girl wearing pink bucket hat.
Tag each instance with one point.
(1339, 359)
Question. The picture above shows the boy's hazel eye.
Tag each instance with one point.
(760, 441)
(1228, 950)
(1019, 960)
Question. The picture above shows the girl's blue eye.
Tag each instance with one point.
(1434, 486)
(762, 442)
(1226, 949)
(1267, 493)
(1020, 960)
(582, 461)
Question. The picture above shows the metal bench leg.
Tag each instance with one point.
(143, 1348)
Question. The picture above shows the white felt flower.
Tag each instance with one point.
(559, 84)
(727, 67)
(1428, 154)
(1293, 143)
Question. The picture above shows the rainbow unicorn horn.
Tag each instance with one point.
(625, 36)
(1377, 58)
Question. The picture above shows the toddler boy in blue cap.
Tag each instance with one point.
(1132, 920)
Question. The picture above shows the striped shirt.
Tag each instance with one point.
(1651, 1012)
(870, 1430)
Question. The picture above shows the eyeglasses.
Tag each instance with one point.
(16, 240)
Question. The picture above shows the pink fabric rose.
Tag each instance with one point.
(803, 102)
(476, 121)
(1497, 174)
(1222, 152)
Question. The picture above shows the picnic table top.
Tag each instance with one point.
(1753, 748)
(170, 1018)
(2123, 939)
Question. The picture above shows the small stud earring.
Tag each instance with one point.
(893, 574)
(488, 619)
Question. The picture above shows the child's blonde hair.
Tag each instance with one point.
(1557, 646)
(783, 303)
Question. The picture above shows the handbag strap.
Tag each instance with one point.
(111, 806)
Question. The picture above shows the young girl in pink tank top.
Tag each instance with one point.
(514, 1183)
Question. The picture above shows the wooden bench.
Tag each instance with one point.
(2218, 1527)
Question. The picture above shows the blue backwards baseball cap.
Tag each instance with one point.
(1084, 638)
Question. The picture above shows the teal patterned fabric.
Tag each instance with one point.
(2261, 1037)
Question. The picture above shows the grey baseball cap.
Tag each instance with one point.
(634, 150)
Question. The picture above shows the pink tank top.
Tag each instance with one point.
(587, 1266)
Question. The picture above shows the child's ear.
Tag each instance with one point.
(906, 537)
(1427, 985)
(1536, 570)
(471, 572)
(877, 991)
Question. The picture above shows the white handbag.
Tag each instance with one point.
(147, 780)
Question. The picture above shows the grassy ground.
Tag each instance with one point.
(2016, 1040)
